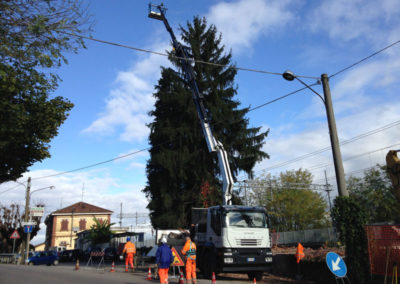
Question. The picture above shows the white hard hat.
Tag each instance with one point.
(164, 240)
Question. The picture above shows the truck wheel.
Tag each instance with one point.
(258, 275)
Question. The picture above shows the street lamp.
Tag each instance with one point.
(27, 217)
(327, 100)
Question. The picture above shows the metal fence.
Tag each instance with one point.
(7, 258)
(383, 248)
(310, 237)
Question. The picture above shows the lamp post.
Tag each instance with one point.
(327, 100)
(28, 195)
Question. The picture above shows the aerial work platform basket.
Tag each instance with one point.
(157, 11)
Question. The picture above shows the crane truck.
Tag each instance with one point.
(229, 238)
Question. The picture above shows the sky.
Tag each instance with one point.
(111, 88)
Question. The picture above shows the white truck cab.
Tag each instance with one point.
(232, 238)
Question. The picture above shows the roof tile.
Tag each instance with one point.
(81, 207)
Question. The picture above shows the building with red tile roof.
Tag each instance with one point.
(64, 224)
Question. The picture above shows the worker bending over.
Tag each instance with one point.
(130, 251)
(189, 251)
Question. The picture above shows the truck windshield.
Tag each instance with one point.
(246, 219)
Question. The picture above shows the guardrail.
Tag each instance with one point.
(7, 257)
(310, 237)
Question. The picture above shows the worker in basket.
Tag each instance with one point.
(189, 251)
(130, 251)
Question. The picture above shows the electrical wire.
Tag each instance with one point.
(96, 164)
(10, 189)
(364, 59)
(347, 174)
(187, 59)
(355, 138)
(229, 66)
(209, 63)
(154, 146)
(313, 168)
(279, 98)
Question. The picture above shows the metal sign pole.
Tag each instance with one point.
(13, 245)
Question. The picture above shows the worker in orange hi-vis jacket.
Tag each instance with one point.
(130, 251)
(189, 251)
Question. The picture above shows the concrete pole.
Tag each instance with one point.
(27, 201)
(337, 156)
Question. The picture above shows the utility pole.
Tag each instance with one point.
(337, 156)
(27, 201)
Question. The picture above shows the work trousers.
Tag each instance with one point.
(128, 261)
(163, 274)
(191, 270)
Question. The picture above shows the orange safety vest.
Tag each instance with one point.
(299, 252)
(129, 248)
(189, 250)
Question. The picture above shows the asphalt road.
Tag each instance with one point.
(66, 274)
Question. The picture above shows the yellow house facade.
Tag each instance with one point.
(40, 247)
(63, 225)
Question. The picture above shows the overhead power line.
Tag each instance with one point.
(182, 58)
(154, 146)
(355, 138)
(280, 98)
(96, 164)
(228, 66)
(347, 174)
(365, 58)
(10, 188)
(313, 168)
(202, 62)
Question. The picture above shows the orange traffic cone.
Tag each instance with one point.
(181, 279)
(254, 281)
(149, 274)
(112, 267)
(77, 265)
(213, 281)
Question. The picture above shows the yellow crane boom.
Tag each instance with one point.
(393, 168)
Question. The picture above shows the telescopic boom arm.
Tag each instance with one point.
(158, 12)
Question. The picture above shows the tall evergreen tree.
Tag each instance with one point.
(180, 166)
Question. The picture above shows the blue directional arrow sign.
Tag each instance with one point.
(336, 264)
(28, 228)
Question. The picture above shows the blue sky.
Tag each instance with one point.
(112, 88)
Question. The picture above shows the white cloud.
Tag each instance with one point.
(357, 19)
(242, 22)
(130, 100)
(283, 147)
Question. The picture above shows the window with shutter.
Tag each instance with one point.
(82, 224)
(64, 225)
